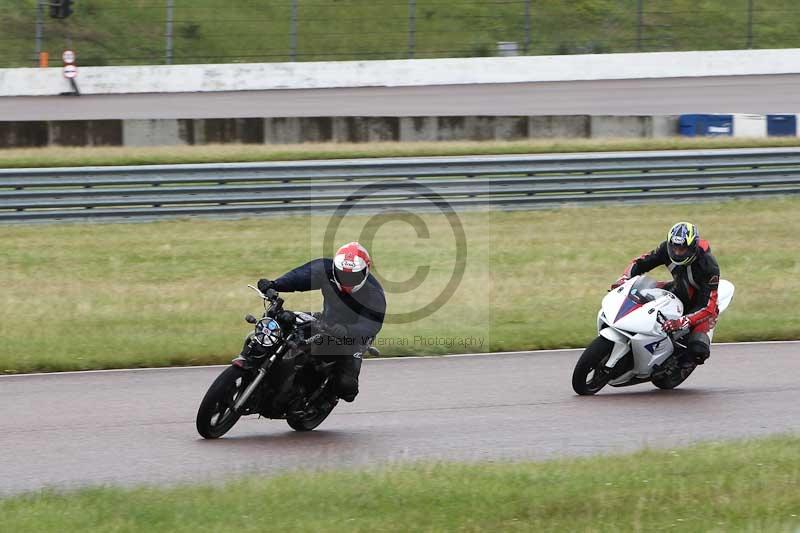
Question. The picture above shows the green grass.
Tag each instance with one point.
(229, 153)
(107, 32)
(741, 486)
(82, 296)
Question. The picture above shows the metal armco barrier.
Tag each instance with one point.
(502, 182)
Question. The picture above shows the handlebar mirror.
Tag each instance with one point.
(251, 319)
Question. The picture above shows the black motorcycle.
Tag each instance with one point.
(275, 376)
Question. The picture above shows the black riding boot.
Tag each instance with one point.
(698, 349)
(347, 370)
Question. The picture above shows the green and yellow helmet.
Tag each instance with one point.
(682, 241)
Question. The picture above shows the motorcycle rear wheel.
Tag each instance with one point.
(588, 377)
(301, 423)
(216, 416)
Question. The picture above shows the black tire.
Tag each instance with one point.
(215, 417)
(669, 382)
(308, 423)
(586, 380)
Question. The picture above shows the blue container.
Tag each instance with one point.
(782, 125)
(698, 125)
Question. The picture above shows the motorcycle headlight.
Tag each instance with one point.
(268, 332)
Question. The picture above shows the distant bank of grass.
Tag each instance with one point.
(230, 153)
(740, 486)
(84, 296)
(110, 32)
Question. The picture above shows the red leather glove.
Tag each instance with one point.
(671, 326)
(620, 281)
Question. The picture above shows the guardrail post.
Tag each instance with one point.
(526, 49)
(39, 30)
(639, 24)
(293, 33)
(412, 28)
(170, 7)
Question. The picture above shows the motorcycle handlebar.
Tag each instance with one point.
(674, 335)
(271, 294)
(305, 342)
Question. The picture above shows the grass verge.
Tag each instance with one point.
(740, 486)
(232, 153)
(86, 296)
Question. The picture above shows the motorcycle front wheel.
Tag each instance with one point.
(589, 375)
(216, 416)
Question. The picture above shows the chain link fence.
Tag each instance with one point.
(111, 32)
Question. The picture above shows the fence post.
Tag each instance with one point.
(749, 23)
(39, 30)
(527, 47)
(293, 33)
(170, 7)
(412, 28)
(639, 24)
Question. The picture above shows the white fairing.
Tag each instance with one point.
(724, 297)
(724, 294)
(629, 317)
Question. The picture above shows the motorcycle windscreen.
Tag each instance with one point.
(637, 296)
(640, 291)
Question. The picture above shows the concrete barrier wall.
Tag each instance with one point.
(294, 130)
(316, 75)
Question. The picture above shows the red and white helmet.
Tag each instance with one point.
(351, 267)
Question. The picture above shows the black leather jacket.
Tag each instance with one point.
(361, 312)
(695, 284)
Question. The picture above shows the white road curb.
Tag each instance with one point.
(401, 358)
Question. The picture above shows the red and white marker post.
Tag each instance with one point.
(70, 70)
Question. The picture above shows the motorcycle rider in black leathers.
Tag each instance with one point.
(695, 275)
(353, 309)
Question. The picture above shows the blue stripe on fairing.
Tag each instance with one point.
(628, 306)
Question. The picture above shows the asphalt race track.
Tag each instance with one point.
(666, 96)
(134, 427)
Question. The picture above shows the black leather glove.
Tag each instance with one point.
(265, 284)
(336, 330)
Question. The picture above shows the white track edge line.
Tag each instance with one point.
(397, 358)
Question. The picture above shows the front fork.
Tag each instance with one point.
(260, 375)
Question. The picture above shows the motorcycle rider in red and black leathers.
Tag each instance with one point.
(695, 275)
(354, 306)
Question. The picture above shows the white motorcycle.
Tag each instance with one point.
(631, 347)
